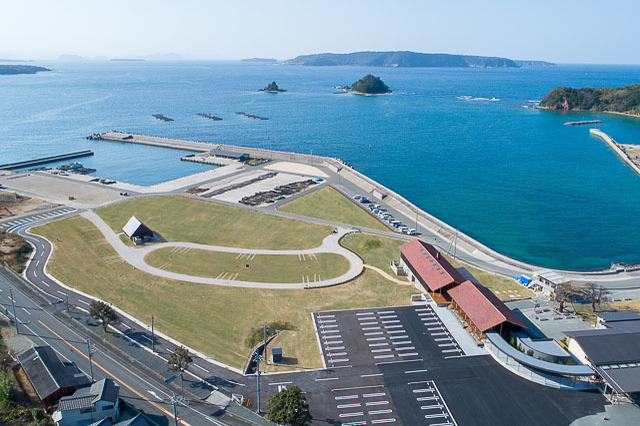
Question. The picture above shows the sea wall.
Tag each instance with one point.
(614, 146)
(464, 242)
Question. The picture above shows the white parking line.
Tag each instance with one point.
(373, 339)
(383, 356)
(84, 301)
(374, 395)
(30, 314)
(444, 345)
(405, 348)
(398, 337)
(369, 323)
(346, 397)
(329, 331)
(366, 318)
(334, 348)
(372, 403)
(373, 345)
(374, 333)
(360, 413)
(392, 326)
(375, 351)
(382, 421)
(390, 321)
(280, 383)
(434, 416)
(365, 313)
(432, 407)
(362, 423)
(379, 412)
(354, 405)
(340, 360)
(371, 375)
(327, 378)
(386, 312)
(415, 371)
(408, 354)
(371, 328)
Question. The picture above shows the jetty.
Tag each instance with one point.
(615, 146)
(254, 117)
(580, 123)
(43, 160)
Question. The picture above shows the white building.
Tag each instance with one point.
(545, 281)
(88, 405)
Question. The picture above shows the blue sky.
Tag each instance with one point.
(565, 31)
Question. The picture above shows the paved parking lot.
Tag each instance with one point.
(401, 365)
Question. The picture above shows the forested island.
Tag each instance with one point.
(370, 85)
(272, 88)
(625, 100)
(20, 69)
(402, 59)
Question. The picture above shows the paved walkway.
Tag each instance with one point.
(135, 257)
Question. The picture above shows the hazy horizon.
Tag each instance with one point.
(561, 32)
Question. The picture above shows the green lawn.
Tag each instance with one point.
(328, 204)
(189, 220)
(215, 320)
(375, 251)
(268, 268)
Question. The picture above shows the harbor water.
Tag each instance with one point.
(516, 179)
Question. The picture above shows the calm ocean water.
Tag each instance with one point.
(514, 178)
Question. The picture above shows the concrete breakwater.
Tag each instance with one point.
(491, 259)
(37, 161)
(615, 147)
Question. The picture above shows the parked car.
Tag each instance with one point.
(357, 197)
(411, 231)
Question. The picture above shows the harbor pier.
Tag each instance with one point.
(616, 148)
(43, 160)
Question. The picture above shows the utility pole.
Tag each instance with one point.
(13, 306)
(264, 350)
(258, 380)
(174, 402)
(181, 385)
(153, 339)
(90, 354)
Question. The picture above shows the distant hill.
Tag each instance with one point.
(534, 64)
(261, 60)
(20, 69)
(401, 59)
(624, 99)
(127, 60)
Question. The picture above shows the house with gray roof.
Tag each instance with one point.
(51, 378)
(89, 405)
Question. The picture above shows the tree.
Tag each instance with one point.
(180, 359)
(289, 407)
(564, 293)
(104, 313)
(596, 294)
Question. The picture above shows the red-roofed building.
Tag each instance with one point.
(427, 269)
(482, 309)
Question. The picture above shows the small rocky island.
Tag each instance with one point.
(272, 88)
(623, 100)
(369, 85)
(21, 69)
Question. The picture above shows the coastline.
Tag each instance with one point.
(615, 146)
(627, 114)
(355, 92)
(498, 262)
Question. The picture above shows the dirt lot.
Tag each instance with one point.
(14, 250)
(19, 205)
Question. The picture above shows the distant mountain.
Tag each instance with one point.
(20, 69)
(401, 59)
(534, 64)
(15, 60)
(127, 60)
(624, 99)
(261, 60)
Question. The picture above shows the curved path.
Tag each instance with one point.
(135, 257)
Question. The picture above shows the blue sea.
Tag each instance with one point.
(516, 179)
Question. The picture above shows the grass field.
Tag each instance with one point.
(378, 251)
(213, 319)
(189, 220)
(259, 268)
(328, 204)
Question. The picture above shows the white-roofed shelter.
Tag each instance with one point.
(134, 228)
(546, 281)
